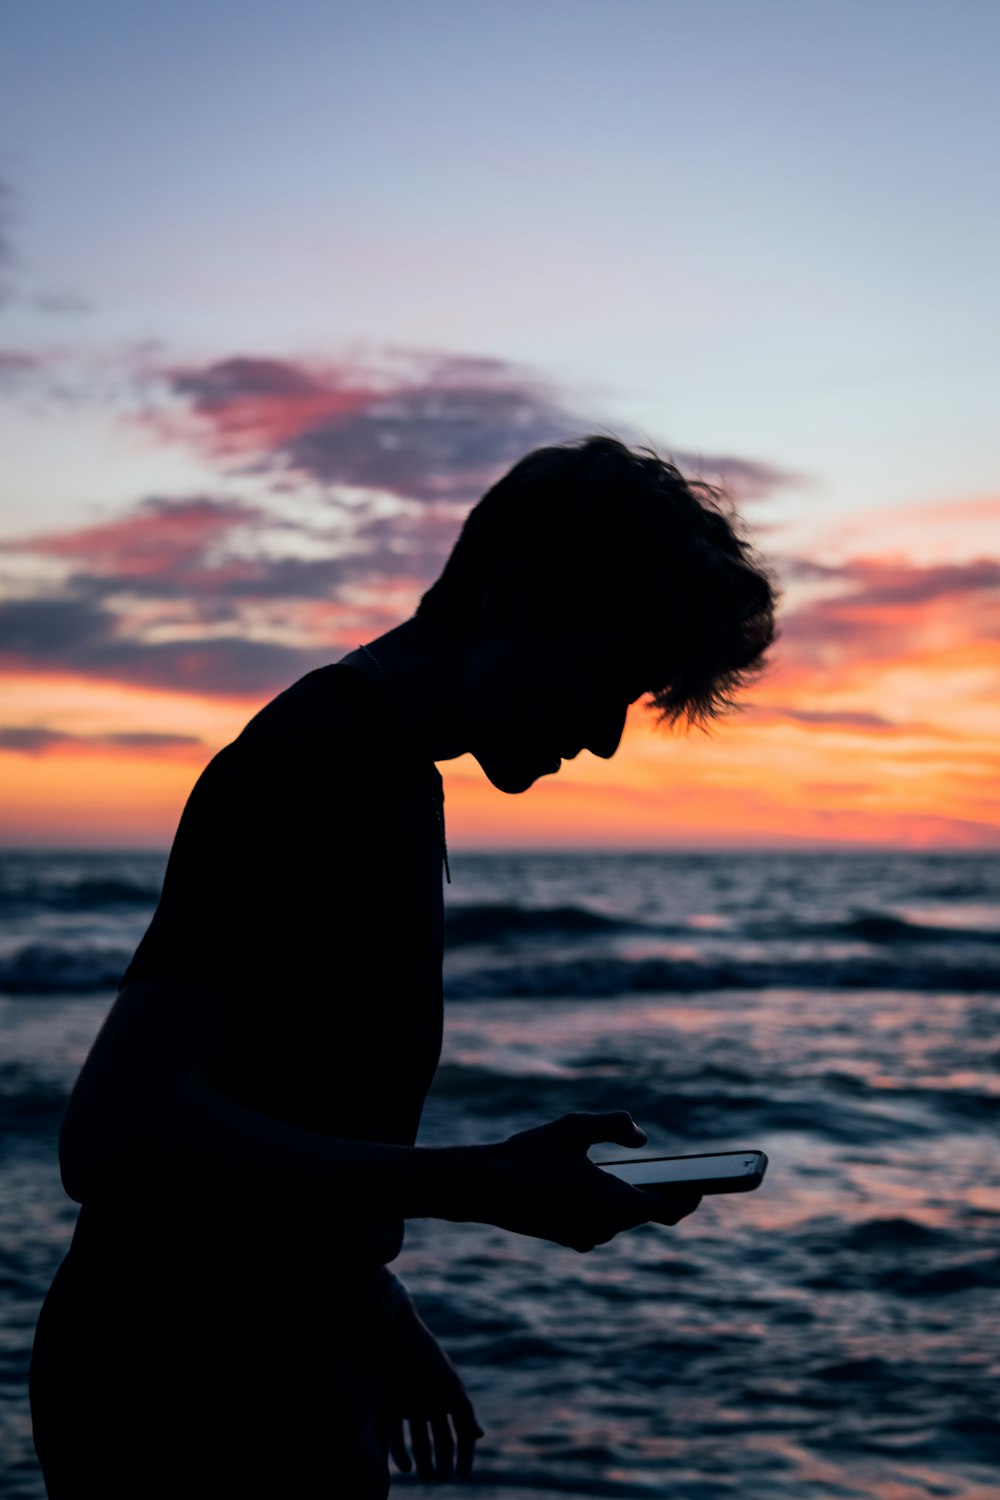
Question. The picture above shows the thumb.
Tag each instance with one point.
(585, 1129)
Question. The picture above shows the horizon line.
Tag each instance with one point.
(841, 846)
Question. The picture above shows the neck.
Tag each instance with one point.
(424, 670)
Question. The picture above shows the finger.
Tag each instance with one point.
(467, 1430)
(583, 1129)
(673, 1208)
(397, 1446)
(444, 1447)
(420, 1442)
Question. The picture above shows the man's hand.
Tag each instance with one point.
(425, 1391)
(542, 1183)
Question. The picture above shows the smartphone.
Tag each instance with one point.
(715, 1172)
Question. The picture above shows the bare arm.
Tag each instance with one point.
(142, 1122)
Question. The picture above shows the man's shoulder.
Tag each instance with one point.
(334, 699)
(333, 711)
(327, 726)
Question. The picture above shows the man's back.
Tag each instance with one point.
(304, 886)
(305, 880)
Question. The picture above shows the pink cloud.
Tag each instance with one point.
(35, 740)
(250, 405)
(826, 718)
(888, 606)
(424, 427)
(161, 538)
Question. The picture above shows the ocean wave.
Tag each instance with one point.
(898, 1256)
(895, 1234)
(85, 893)
(510, 923)
(882, 927)
(42, 968)
(54, 969)
(605, 975)
(502, 922)
(695, 1106)
(695, 1112)
(496, 1482)
(29, 1098)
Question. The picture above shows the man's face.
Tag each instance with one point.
(534, 701)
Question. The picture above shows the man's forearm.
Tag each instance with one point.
(190, 1141)
(142, 1123)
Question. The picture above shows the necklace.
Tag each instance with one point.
(434, 801)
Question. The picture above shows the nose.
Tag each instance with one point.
(606, 733)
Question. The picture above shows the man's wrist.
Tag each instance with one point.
(458, 1184)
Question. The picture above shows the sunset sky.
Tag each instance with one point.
(283, 288)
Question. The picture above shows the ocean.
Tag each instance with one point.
(834, 1334)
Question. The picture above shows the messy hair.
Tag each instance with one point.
(618, 537)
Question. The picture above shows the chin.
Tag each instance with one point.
(514, 779)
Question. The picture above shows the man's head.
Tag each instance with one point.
(588, 576)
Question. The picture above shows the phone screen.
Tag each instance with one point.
(719, 1171)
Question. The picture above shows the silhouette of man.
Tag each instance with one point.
(241, 1137)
